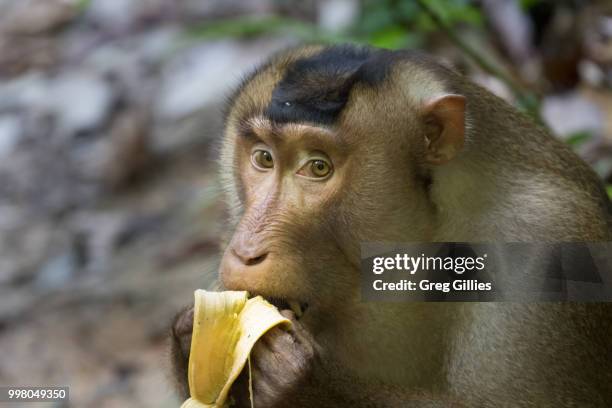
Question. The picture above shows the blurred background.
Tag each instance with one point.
(110, 114)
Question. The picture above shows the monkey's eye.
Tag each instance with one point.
(317, 168)
(262, 159)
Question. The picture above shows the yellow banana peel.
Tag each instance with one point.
(226, 326)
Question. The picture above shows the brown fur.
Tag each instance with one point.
(511, 182)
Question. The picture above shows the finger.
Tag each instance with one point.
(277, 338)
(298, 330)
(272, 382)
(302, 335)
(295, 326)
(265, 359)
(294, 345)
(282, 363)
(264, 387)
(288, 313)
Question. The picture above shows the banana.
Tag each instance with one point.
(226, 326)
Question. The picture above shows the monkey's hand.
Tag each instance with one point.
(282, 363)
(282, 366)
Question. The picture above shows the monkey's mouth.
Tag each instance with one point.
(298, 308)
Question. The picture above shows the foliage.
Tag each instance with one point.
(83, 5)
(250, 27)
(399, 24)
(579, 138)
(386, 23)
(529, 4)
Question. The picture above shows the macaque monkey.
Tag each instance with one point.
(329, 146)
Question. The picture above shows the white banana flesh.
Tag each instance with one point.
(226, 326)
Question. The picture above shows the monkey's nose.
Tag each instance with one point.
(249, 257)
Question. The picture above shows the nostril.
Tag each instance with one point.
(250, 260)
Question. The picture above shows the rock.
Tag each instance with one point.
(98, 234)
(30, 53)
(120, 158)
(26, 92)
(80, 100)
(126, 69)
(198, 129)
(150, 47)
(133, 62)
(591, 73)
(5, 6)
(122, 16)
(42, 178)
(24, 245)
(195, 85)
(156, 44)
(10, 132)
(569, 113)
(337, 16)
(216, 9)
(57, 272)
(32, 17)
(11, 218)
(112, 15)
(204, 74)
(196, 78)
(605, 26)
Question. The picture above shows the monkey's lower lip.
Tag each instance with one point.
(297, 307)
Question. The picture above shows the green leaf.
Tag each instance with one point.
(392, 37)
(609, 190)
(408, 9)
(527, 4)
(530, 104)
(578, 138)
(455, 11)
(83, 5)
(375, 20)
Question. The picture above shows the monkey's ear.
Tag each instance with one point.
(445, 123)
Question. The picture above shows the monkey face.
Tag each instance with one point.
(321, 153)
(311, 194)
(287, 241)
